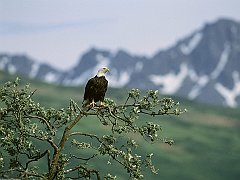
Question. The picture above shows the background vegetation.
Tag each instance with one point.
(206, 138)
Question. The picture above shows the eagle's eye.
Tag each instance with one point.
(105, 69)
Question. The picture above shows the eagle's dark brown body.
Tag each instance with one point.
(95, 90)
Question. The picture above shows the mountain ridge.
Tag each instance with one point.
(202, 66)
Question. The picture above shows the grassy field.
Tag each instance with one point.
(207, 138)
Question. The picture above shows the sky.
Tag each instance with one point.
(58, 32)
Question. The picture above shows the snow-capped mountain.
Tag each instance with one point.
(204, 66)
(21, 64)
(122, 66)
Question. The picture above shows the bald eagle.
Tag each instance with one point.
(96, 88)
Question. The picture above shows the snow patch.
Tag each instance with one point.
(34, 70)
(118, 80)
(192, 74)
(200, 83)
(115, 79)
(192, 44)
(234, 30)
(138, 66)
(222, 62)
(11, 69)
(230, 95)
(3, 63)
(83, 78)
(50, 77)
(102, 61)
(170, 82)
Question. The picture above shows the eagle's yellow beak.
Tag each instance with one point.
(106, 69)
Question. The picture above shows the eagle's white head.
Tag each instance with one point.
(102, 71)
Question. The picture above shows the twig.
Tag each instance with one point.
(36, 158)
(81, 158)
(32, 93)
(40, 118)
(85, 169)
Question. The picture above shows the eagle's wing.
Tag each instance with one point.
(89, 89)
(89, 92)
(104, 90)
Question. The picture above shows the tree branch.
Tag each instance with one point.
(36, 158)
(42, 119)
(65, 136)
(85, 169)
(81, 158)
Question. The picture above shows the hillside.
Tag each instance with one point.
(206, 138)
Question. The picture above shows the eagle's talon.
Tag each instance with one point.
(92, 104)
(102, 104)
